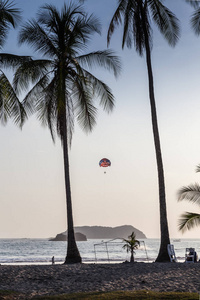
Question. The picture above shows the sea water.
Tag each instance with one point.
(41, 251)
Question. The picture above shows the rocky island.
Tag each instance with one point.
(82, 233)
(63, 237)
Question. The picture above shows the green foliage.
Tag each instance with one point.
(136, 15)
(191, 193)
(9, 17)
(131, 244)
(61, 83)
(10, 106)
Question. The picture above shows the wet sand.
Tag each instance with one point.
(32, 280)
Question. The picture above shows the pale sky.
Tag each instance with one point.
(32, 196)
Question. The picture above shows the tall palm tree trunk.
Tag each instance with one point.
(163, 254)
(73, 255)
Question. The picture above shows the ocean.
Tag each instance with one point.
(41, 251)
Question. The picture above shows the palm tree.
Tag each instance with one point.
(131, 244)
(62, 87)
(137, 29)
(10, 106)
(190, 193)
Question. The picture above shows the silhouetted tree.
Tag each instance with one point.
(63, 88)
(136, 16)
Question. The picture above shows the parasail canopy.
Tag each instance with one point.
(104, 162)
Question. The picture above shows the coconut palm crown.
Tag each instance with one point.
(191, 193)
(62, 87)
(135, 16)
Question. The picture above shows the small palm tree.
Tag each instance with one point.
(62, 87)
(10, 106)
(131, 245)
(190, 193)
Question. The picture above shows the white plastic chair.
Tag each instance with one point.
(190, 255)
(171, 252)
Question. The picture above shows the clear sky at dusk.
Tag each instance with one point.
(32, 196)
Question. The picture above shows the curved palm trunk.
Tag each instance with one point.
(73, 255)
(163, 254)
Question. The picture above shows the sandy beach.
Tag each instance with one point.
(32, 280)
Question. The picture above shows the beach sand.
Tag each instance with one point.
(32, 280)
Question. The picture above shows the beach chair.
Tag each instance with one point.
(190, 255)
(171, 252)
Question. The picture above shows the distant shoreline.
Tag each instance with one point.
(57, 279)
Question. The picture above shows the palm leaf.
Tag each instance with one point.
(102, 91)
(9, 16)
(30, 72)
(195, 21)
(198, 168)
(10, 60)
(193, 3)
(188, 221)
(70, 118)
(165, 20)
(10, 106)
(116, 19)
(85, 111)
(190, 193)
(35, 36)
(46, 105)
(105, 59)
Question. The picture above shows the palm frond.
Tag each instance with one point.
(4, 99)
(9, 16)
(135, 16)
(32, 98)
(188, 221)
(85, 111)
(193, 3)
(106, 59)
(141, 27)
(195, 21)
(190, 193)
(70, 118)
(116, 19)
(166, 21)
(12, 61)
(35, 36)
(30, 72)
(10, 106)
(198, 168)
(102, 91)
(46, 105)
(9, 13)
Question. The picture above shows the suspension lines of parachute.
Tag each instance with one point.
(104, 162)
